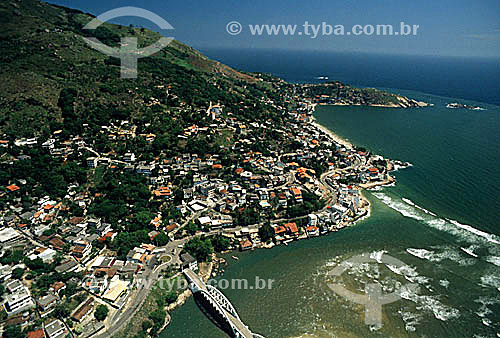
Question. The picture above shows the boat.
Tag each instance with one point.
(235, 258)
(470, 252)
(322, 78)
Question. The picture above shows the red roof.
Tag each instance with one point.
(36, 334)
(292, 227)
(12, 187)
(279, 229)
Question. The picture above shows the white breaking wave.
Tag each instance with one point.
(430, 304)
(493, 260)
(444, 283)
(411, 320)
(409, 209)
(491, 280)
(445, 253)
(408, 201)
(490, 237)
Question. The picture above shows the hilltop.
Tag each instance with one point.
(44, 58)
(46, 65)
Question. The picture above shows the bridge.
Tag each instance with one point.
(220, 304)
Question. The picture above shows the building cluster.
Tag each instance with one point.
(233, 197)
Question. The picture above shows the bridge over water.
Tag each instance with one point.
(220, 304)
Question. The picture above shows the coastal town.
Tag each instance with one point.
(60, 271)
(109, 191)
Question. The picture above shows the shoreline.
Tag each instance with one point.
(366, 205)
(330, 133)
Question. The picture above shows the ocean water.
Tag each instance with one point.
(459, 77)
(441, 220)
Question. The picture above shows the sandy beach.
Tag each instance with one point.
(334, 136)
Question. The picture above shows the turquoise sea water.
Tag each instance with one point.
(445, 203)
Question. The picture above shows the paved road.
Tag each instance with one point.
(121, 317)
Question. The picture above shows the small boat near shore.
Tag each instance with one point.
(470, 252)
(235, 258)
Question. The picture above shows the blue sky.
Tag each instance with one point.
(447, 27)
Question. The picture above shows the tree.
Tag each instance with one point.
(266, 232)
(17, 273)
(171, 297)
(146, 325)
(161, 239)
(201, 249)
(101, 312)
(220, 243)
(191, 228)
(158, 317)
(13, 331)
(61, 311)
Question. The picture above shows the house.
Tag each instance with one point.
(373, 173)
(57, 287)
(292, 228)
(312, 231)
(8, 236)
(57, 243)
(94, 222)
(55, 329)
(312, 219)
(14, 286)
(81, 249)
(47, 302)
(103, 262)
(172, 227)
(129, 157)
(297, 194)
(137, 255)
(92, 162)
(282, 200)
(264, 204)
(36, 334)
(67, 266)
(5, 272)
(83, 310)
(96, 285)
(116, 289)
(46, 254)
(18, 301)
(163, 193)
(145, 169)
(189, 262)
(12, 188)
(246, 245)
(128, 269)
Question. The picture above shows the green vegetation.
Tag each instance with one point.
(266, 232)
(311, 203)
(200, 248)
(13, 331)
(101, 312)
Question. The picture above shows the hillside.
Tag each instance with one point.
(43, 55)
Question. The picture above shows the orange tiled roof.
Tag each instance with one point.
(12, 187)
